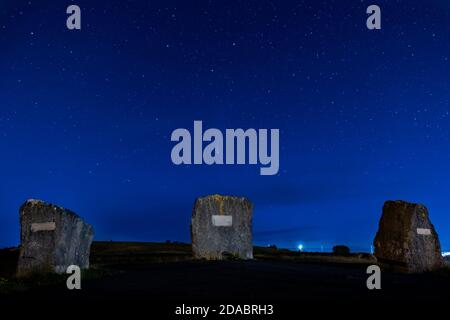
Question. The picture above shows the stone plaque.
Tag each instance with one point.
(222, 221)
(46, 226)
(424, 232)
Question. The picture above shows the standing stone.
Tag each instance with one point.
(221, 226)
(52, 238)
(406, 239)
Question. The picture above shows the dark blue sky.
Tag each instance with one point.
(86, 116)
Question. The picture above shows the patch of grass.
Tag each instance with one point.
(97, 273)
(231, 256)
(8, 262)
(4, 283)
(11, 285)
(111, 254)
(445, 270)
(264, 253)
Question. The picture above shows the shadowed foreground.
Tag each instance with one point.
(166, 273)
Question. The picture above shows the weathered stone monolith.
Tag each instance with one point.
(52, 238)
(222, 227)
(406, 239)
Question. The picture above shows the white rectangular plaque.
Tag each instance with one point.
(45, 226)
(424, 232)
(222, 221)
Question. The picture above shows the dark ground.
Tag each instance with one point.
(158, 277)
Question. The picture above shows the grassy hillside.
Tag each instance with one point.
(118, 254)
(165, 271)
(8, 262)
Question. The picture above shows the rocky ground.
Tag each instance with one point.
(164, 275)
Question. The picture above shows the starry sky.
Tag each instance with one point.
(86, 116)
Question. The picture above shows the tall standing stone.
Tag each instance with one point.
(52, 238)
(406, 238)
(222, 225)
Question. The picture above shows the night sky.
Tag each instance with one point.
(86, 116)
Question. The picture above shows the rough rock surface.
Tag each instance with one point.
(406, 240)
(222, 227)
(52, 238)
